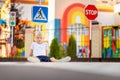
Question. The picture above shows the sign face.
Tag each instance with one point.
(91, 12)
(40, 14)
(12, 18)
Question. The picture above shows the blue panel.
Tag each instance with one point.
(57, 29)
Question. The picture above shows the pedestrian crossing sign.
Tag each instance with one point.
(40, 14)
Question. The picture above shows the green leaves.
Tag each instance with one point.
(71, 49)
(55, 49)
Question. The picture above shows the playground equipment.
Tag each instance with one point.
(111, 42)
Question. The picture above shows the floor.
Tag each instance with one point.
(59, 71)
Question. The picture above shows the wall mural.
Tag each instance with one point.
(73, 14)
(75, 23)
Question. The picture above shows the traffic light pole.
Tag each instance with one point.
(12, 36)
(12, 24)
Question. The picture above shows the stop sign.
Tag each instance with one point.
(91, 12)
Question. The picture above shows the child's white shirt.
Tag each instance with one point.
(39, 49)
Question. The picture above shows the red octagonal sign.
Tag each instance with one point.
(91, 12)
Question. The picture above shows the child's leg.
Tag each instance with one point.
(33, 59)
(52, 59)
(65, 59)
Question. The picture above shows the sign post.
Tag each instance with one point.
(91, 13)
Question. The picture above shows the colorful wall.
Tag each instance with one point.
(106, 19)
(71, 12)
(117, 14)
(68, 12)
(62, 14)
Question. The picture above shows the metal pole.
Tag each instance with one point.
(90, 29)
(12, 37)
(77, 40)
(90, 38)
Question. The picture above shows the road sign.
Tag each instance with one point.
(91, 12)
(40, 14)
(12, 18)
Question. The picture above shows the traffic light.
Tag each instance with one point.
(12, 18)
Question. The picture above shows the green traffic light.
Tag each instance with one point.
(12, 23)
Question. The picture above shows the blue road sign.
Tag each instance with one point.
(40, 14)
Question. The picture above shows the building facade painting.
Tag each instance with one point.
(72, 15)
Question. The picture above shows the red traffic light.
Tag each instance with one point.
(13, 14)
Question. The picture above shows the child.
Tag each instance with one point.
(39, 51)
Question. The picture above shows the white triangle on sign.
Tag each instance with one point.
(40, 15)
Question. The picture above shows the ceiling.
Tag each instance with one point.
(99, 2)
(29, 1)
